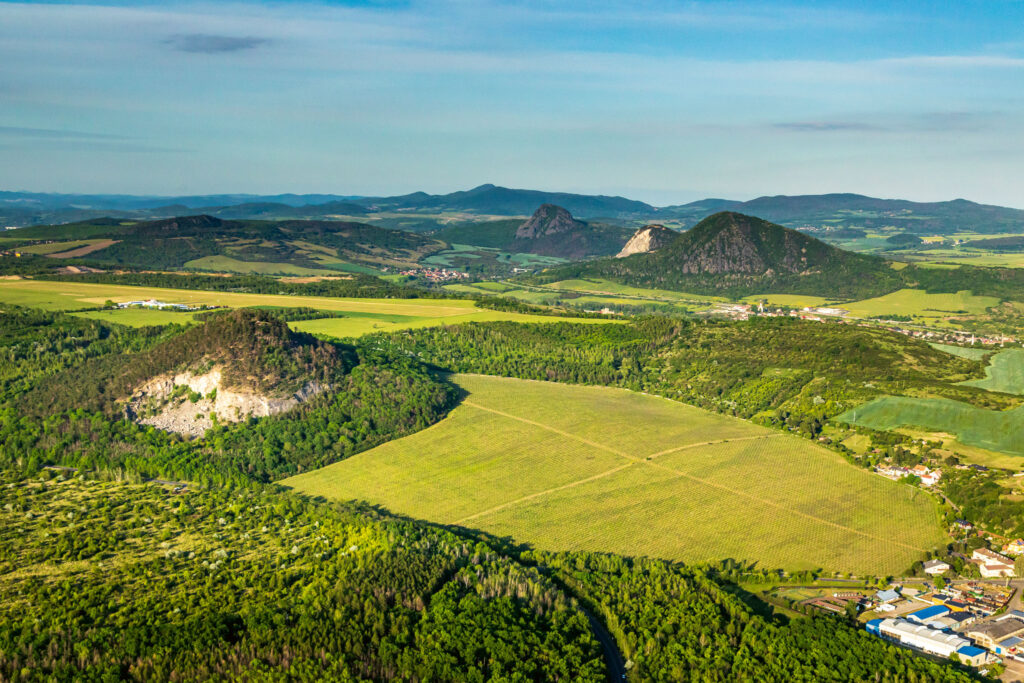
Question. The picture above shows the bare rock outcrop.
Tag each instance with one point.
(548, 220)
(185, 402)
(647, 239)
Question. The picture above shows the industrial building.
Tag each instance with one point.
(918, 636)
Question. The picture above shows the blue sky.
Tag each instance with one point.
(661, 101)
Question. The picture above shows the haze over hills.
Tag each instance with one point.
(822, 212)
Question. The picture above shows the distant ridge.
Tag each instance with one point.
(816, 213)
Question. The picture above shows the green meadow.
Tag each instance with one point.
(920, 303)
(1001, 431)
(1005, 373)
(565, 467)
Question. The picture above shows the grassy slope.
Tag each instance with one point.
(1000, 431)
(605, 469)
(1004, 373)
(991, 429)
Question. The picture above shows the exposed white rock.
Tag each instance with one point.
(647, 238)
(154, 403)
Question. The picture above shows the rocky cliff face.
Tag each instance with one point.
(184, 402)
(548, 220)
(646, 239)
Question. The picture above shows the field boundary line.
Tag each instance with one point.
(712, 443)
(549, 428)
(556, 489)
(721, 487)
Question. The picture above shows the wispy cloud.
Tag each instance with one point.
(207, 43)
(828, 126)
(55, 134)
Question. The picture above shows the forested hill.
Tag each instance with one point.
(184, 240)
(736, 254)
(252, 349)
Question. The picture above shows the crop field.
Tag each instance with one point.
(921, 303)
(1005, 372)
(226, 264)
(972, 257)
(607, 287)
(1001, 431)
(57, 247)
(971, 353)
(594, 468)
(362, 315)
(139, 317)
(789, 300)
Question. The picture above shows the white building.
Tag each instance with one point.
(991, 564)
(935, 567)
(921, 637)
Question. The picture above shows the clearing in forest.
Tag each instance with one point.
(567, 467)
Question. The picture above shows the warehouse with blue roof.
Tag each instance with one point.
(925, 615)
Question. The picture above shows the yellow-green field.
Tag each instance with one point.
(362, 315)
(921, 303)
(789, 300)
(226, 264)
(139, 317)
(608, 287)
(971, 257)
(56, 247)
(568, 467)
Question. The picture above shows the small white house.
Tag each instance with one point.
(935, 567)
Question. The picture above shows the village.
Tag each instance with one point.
(977, 621)
(820, 314)
(435, 274)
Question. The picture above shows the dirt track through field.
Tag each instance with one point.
(679, 473)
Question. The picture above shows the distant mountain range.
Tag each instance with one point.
(816, 213)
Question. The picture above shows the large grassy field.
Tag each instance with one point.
(226, 264)
(1001, 431)
(1005, 372)
(597, 286)
(569, 467)
(921, 303)
(139, 317)
(361, 315)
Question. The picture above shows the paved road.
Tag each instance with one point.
(612, 657)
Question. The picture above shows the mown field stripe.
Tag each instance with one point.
(672, 470)
(532, 496)
(712, 443)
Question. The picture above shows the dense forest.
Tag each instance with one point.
(213, 584)
(679, 623)
(769, 368)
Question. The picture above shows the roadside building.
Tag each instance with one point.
(973, 656)
(935, 567)
(886, 596)
(991, 634)
(991, 564)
